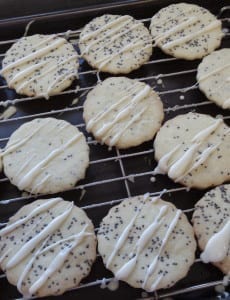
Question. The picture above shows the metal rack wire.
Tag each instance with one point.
(117, 157)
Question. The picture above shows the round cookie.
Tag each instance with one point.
(213, 76)
(147, 243)
(46, 156)
(211, 221)
(186, 31)
(193, 149)
(115, 44)
(47, 247)
(40, 65)
(123, 112)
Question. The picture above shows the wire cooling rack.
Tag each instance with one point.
(116, 174)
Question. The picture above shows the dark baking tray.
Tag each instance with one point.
(107, 178)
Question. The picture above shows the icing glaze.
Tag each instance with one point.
(217, 70)
(182, 40)
(37, 169)
(217, 246)
(30, 245)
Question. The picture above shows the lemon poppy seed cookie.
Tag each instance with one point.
(40, 65)
(193, 149)
(47, 247)
(147, 243)
(211, 221)
(46, 156)
(115, 44)
(186, 31)
(213, 76)
(123, 112)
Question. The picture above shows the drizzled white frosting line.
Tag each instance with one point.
(37, 210)
(20, 142)
(118, 135)
(57, 263)
(109, 33)
(217, 246)
(26, 72)
(181, 165)
(115, 37)
(44, 41)
(23, 167)
(124, 234)
(156, 282)
(104, 27)
(189, 37)
(214, 72)
(202, 135)
(174, 29)
(101, 115)
(37, 54)
(53, 68)
(40, 184)
(37, 169)
(124, 112)
(31, 244)
(153, 265)
(105, 60)
(146, 235)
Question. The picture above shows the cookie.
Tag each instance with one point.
(47, 247)
(115, 44)
(186, 31)
(46, 156)
(40, 65)
(123, 112)
(193, 149)
(213, 76)
(147, 243)
(211, 221)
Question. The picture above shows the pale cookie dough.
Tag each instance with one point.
(115, 44)
(211, 221)
(46, 156)
(40, 65)
(186, 31)
(47, 247)
(213, 76)
(193, 149)
(123, 112)
(147, 243)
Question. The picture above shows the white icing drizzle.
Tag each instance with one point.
(24, 73)
(174, 29)
(153, 265)
(37, 54)
(113, 38)
(93, 34)
(37, 210)
(146, 235)
(31, 244)
(109, 33)
(94, 120)
(47, 71)
(202, 135)
(214, 72)
(217, 246)
(56, 263)
(119, 133)
(36, 189)
(125, 234)
(182, 40)
(37, 169)
(105, 60)
(21, 142)
(124, 112)
(182, 166)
